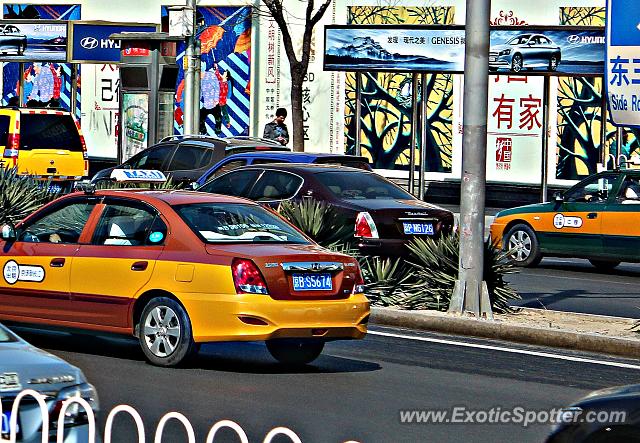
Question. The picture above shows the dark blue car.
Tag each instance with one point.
(256, 158)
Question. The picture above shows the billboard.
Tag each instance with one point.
(394, 48)
(545, 50)
(39, 40)
(559, 50)
(89, 41)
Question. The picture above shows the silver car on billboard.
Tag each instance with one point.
(525, 51)
(23, 366)
(12, 40)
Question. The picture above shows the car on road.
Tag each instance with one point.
(261, 157)
(46, 143)
(23, 366)
(186, 158)
(525, 51)
(608, 415)
(596, 219)
(177, 269)
(12, 40)
(383, 215)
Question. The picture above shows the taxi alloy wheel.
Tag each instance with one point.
(290, 351)
(522, 246)
(165, 332)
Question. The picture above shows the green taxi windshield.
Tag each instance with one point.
(237, 223)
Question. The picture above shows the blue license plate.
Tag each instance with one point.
(6, 421)
(312, 282)
(418, 228)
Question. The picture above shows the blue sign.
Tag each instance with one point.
(91, 42)
(625, 22)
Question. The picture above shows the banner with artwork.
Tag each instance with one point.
(135, 123)
(386, 113)
(225, 36)
(46, 82)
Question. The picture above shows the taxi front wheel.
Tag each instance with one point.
(521, 245)
(165, 333)
(295, 351)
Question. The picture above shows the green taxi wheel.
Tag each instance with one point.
(521, 246)
(604, 265)
(165, 333)
(291, 351)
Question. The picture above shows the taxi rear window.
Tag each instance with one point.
(237, 223)
(49, 131)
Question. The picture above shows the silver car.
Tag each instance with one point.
(525, 51)
(12, 40)
(23, 366)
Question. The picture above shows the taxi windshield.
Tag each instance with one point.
(237, 223)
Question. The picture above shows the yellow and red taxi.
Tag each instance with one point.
(46, 143)
(597, 219)
(177, 269)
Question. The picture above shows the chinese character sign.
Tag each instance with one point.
(623, 62)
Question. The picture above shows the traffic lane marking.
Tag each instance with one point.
(536, 274)
(505, 349)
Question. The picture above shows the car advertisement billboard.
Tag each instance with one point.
(394, 48)
(559, 50)
(90, 41)
(40, 40)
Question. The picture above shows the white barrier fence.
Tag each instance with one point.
(142, 438)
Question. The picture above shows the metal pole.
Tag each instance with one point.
(189, 76)
(358, 115)
(470, 293)
(424, 127)
(196, 86)
(414, 131)
(604, 155)
(545, 139)
(619, 136)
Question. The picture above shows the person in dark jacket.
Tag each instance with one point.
(277, 130)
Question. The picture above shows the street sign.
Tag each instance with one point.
(622, 76)
(90, 42)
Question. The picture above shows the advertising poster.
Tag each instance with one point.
(394, 48)
(100, 118)
(386, 112)
(514, 132)
(225, 36)
(547, 50)
(135, 123)
(39, 40)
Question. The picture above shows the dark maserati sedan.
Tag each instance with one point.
(383, 215)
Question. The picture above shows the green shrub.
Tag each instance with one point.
(318, 220)
(384, 279)
(20, 195)
(435, 264)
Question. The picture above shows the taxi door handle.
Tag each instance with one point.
(592, 215)
(139, 266)
(57, 262)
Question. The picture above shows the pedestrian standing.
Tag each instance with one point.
(277, 130)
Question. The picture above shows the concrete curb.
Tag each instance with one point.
(423, 320)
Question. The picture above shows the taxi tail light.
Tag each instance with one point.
(12, 148)
(365, 226)
(358, 287)
(247, 278)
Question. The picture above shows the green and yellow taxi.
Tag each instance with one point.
(597, 219)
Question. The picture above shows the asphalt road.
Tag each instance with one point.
(354, 391)
(576, 286)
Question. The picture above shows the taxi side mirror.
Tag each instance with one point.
(558, 197)
(9, 232)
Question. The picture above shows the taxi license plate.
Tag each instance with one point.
(418, 228)
(6, 421)
(312, 282)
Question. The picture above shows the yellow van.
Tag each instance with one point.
(45, 143)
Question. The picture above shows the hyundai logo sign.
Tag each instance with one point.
(89, 43)
(573, 39)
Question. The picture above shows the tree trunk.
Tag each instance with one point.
(297, 116)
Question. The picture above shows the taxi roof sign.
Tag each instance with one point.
(138, 176)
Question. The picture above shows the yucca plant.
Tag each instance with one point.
(384, 279)
(20, 195)
(435, 265)
(318, 220)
